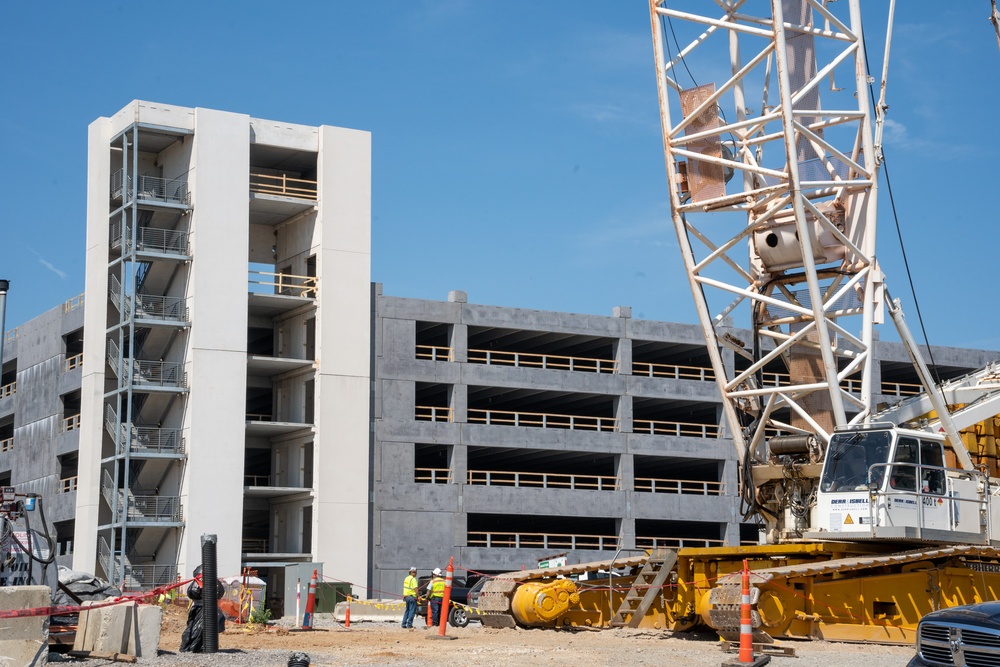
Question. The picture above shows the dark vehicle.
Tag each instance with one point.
(958, 637)
(458, 616)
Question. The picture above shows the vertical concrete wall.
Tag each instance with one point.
(94, 347)
(217, 355)
(342, 455)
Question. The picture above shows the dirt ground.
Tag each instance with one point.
(474, 646)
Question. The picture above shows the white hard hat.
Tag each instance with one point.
(413, 569)
(437, 571)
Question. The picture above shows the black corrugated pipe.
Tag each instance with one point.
(209, 593)
(298, 659)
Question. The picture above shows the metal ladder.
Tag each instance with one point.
(647, 586)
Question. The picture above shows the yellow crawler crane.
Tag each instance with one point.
(772, 136)
(845, 592)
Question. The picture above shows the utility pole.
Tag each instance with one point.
(4, 286)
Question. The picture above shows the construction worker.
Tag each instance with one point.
(410, 585)
(435, 596)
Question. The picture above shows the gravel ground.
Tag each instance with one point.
(386, 644)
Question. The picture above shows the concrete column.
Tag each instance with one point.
(625, 464)
(626, 531)
(459, 464)
(623, 355)
(623, 413)
(460, 403)
(460, 342)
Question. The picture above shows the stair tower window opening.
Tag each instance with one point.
(547, 532)
(64, 537)
(677, 361)
(653, 533)
(71, 402)
(542, 350)
(432, 464)
(538, 468)
(504, 406)
(73, 349)
(434, 341)
(694, 419)
(280, 172)
(8, 378)
(687, 476)
(433, 402)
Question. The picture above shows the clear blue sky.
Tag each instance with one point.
(516, 145)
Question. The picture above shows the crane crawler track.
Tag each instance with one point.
(494, 602)
(725, 597)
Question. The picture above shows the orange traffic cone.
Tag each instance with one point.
(307, 618)
(746, 625)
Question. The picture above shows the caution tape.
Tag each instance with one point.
(56, 610)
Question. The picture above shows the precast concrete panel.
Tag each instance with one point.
(94, 346)
(342, 493)
(399, 308)
(215, 421)
(213, 489)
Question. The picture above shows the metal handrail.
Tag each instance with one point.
(432, 413)
(151, 239)
(150, 307)
(848, 384)
(155, 188)
(674, 542)
(256, 480)
(684, 486)
(545, 361)
(73, 303)
(435, 353)
(71, 423)
(151, 575)
(680, 429)
(542, 420)
(286, 283)
(74, 362)
(501, 540)
(154, 508)
(432, 475)
(283, 185)
(674, 371)
(543, 480)
(255, 546)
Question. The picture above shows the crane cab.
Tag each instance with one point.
(884, 482)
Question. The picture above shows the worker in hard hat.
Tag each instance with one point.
(435, 596)
(410, 585)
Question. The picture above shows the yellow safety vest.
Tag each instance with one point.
(437, 588)
(410, 586)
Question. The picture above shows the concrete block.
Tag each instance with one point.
(114, 631)
(25, 641)
(144, 639)
(370, 610)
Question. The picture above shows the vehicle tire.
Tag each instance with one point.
(458, 617)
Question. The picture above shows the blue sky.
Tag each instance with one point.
(516, 145)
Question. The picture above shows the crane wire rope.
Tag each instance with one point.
(895, 218)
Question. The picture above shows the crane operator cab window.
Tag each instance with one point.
(918, 460)
(851, 456)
